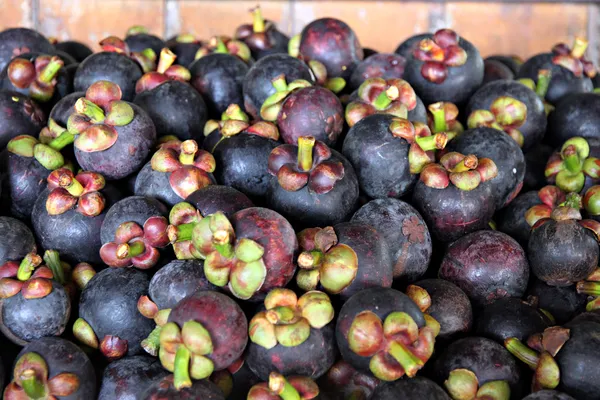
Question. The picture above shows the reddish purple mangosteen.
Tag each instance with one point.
(562, 302)
(292, 336)
(166, 389)
(129, 377)
(16, 41)
(415, 388)
(344, 379)
(511, 219)
(213, 198)
(444, 67)
(17, 240)
(19, 115)
(279, 387)
(343, 259)
(494, 70)
(314, 185)
(262, 37)
(380, 65)
(455, 196)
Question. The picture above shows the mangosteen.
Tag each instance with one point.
(73, 206)
(262, 37)
(487, 266)
(333, 43)
(410, 246)
(494, 70)
(401, 348)
(410, 389)
(513, 62)
(185, 47)
(26, 164)
(388, 153)
(127, 378)
(16, 41)
(379, 65)
(303, 110)
(166, 389)
(63, 109)
(511, 219)
(506, 154)
(562, 248)
(226, 45)
(446, 303)
(408, 46)
(219, 78)
(33, 301)
(75, 49)
(264, 78)
(108, 316)
(19, 115)
(444, 67)
(455, 196)
(280, 387)
(236, 381)
(314, 185)
(138, 39)
(380, 96)
(477, 365)
(213, 198)
(562, 302)
(535, 160)
(571, 70)
(343, 259)
(16, 241)
(292, 336)
(574, 115)
(175, 171)
(511, 107)
(241, 150)
(344, 380)
(52, 368)
(548, 395)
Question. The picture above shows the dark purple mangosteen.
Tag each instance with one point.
(185, 47)
(165, 389)
(410, 246)
(127, 378)
(343, 379)
(380, 65)
(494, 70)
(138, 39)
(548, 395)
(444, 67)
(64, 108)
(292, 336)
(213, 198)
(52, 367)
(535, 160)
(16, 41)
(75, 49)
(406, 48)
(259, 82)
(511, 219)
(571, 71)
(109, 320)
(291, 387)
(562, 302)
(513, 62)
(219, 79)
(262, 37)
(487, 266)
(410, 389)
(16, 241)
(455, 196)
(314, 185)
(575, 115)
(19, 115)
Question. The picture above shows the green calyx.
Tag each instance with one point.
(85, 334)
(28, 146)
(591, 200)
(462, 384)
(27, 266)
(288, 319)
(546, 370)
(30, 373)
(294, 46)
(506, 114)
(52, 260)
(185, 352)
(272, 105)
(572, 165)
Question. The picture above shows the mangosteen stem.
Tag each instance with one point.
(468, 163)
(433, 142)
(166, 59)
(579, 47)
(310, 259)
(409, 362)
(234, 112)
(522, 352)
(281, 315)
(220, 46)
(29, 263)
(181, 232)
(188, 152)
(52, 260)
(31, 385)
(439, 119)
(588, 288)
(65, 139)
(305, 149)
(279, 83)
(51, 70)
(258, 23)
(226, 250)
(543, 82)
(280, 385)
(129, 250)
(386, 97)
(571, 159)
(90, 110)
(152, 343)
(181, 373)
(70, 184)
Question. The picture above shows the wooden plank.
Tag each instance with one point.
(92, 20)
(16, 13)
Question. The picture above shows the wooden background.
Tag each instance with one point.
(511, 28)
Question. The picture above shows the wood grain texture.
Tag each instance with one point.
(16, 13)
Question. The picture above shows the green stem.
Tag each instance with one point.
(29, 263)
(258, 23)
(279, 83)
(409, 362)
(522, 352)
(52, 260)
(226, 250)
(32, 387)
(289, 392)
(281, 315)
(541, 88)
(188, 152)
(429, 143)
(305, 150)
(165, 60)
(50, 70)
(220, 47)
(382, 101)
(73, 187)
(310, 259)
(134, 249)
(152, 343)
(89, 109)
(439, 120)
(589, 288)
(579, 47)
(182, 232)
(181, 371)
(573, 163)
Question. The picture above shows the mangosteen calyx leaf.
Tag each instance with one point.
(438, 54)
(68, 190)
(465, 172)
(279, 387)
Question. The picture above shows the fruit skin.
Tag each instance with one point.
(488, 360)
(62, 356)
(219, 78)
(417, 114)
(312, 358)
(409, 389)
(535, 160)
(109, 304)
(548, 395)
(224, 320)
(129, 152)
(382, 302)
(333, 43)
(405, 49)
(257, 85)
(504, 151)
(18, 116)
(164, 390)
(75, 49)
(510, 317)
(108, 66)
(535, 124)
(127, 378)
(487, 266)
(16, 240)
(511, 219)
(494, 70)
(380, 65)
(304, 209)
(185, 52)
(134, 208)
(176, 108)
(15, 41)
(26, 320)
(563, 302)
(410, 246)
(576, 114)
(312, 111)
(141, 41)
(213, 198)
(450, 306)
(64, 108)
(512, 63)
